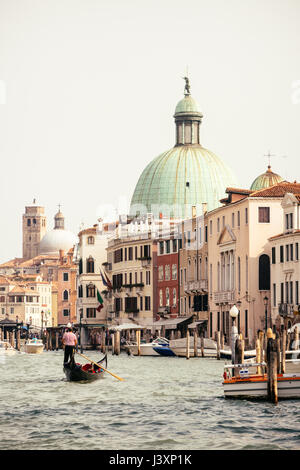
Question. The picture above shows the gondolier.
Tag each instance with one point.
(69, 341)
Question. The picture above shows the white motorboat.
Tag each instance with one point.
(178, 346)
(6, 348)
(146, 348)
(253, 385)
(34, 346)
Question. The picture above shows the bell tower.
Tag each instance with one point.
(34, 228)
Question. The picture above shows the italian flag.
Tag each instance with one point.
(100, 300)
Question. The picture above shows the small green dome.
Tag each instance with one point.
(187, 105)
(266, 180)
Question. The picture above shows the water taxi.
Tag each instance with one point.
(253, 385)
(34, 346)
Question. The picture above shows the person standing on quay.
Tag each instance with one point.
(69, 341)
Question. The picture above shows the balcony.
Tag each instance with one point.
(288, 310)
(196, 287)
(145, 261)
(227, 296)
(107, 267)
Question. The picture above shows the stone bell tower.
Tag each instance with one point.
(34, 228)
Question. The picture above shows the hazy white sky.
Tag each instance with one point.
(88, 90)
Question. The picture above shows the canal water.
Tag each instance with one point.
(164, 403)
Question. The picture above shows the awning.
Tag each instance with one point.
(126, 326)
(170, 323)
(196, 323)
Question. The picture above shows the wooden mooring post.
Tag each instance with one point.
(18, 345)
(272, 367)
(195, 343)
(187, 344)
(202, 346)
(138, 338)
(218, 345)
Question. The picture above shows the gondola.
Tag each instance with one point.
(76, 372)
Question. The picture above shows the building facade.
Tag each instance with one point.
(285, 264)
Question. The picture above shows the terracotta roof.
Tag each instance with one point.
(278, 190)
(284, 234)
(12, 263)
(238, 191)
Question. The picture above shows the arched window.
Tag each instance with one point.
(91, 240)
(264, 273)
(90, 290)
(66, 295)
(174, 298)
(90, 265)
(167, 297)
(160, 298)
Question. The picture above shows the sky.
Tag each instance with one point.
(88, 90)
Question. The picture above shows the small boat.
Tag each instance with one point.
(226, 354)
(247, 385)
(6, 348)
(34, 346)
(147, 349)
(178, 346)
(76, 372)
(164, 350)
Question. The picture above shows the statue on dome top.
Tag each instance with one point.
(187, 86)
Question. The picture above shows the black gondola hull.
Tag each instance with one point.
(75, 372)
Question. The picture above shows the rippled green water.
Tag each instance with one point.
(164, 403)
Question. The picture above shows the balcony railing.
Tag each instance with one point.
(196, 286)
(287, 310)
(227, 296)
(107, 267)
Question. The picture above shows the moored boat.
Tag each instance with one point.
(226, 354)
(251, 385)
(147, 349)
(164, 350)
(178, 346)
(34, 346)
(76, 372)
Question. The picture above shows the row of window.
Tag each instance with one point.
(166, 295)
(263, 218)
(90, 265)
(200, 303)
(132, 253)
(118, 280)
(164, 272)
(289, 252)
(133, 304)
(289, 293)
(169, 246)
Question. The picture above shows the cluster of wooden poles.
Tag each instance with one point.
(13, 339)
(271, 349)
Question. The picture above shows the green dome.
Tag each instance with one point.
(180, 178)
(266, 180)
(185, 176)
(187, 105)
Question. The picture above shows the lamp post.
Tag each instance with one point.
(42, 315)
(80, 337)
(266, 312)
(234, 331)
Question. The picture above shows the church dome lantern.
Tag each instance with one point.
(187, 175)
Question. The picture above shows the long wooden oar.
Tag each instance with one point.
(101, 366)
